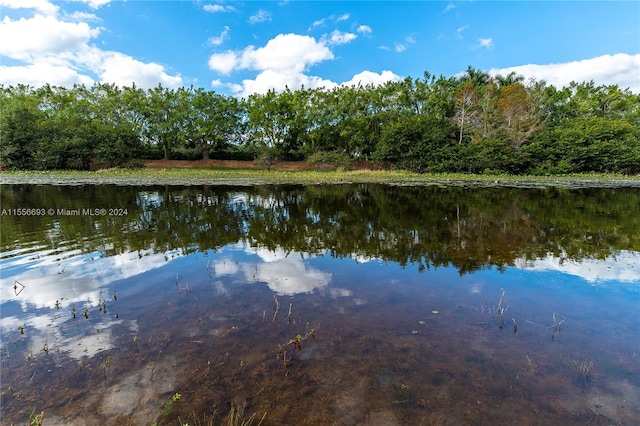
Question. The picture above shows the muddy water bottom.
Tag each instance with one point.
(378, 345)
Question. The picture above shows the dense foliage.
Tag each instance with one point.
(472, 123)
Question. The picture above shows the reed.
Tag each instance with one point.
(583, 370)
(558, 320)
(276, 307)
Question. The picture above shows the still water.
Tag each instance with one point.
(341, 304)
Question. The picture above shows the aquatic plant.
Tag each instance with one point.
(167, 408)
(37, 419)
(557, 324)
(583, 370)
(276, 307)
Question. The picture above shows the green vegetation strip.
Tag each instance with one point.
(248, 177)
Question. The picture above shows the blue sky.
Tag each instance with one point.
(240, 48)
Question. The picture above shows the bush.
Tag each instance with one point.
(323, 160)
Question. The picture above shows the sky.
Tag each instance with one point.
(240, 48)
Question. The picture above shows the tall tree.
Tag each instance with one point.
(212, 121)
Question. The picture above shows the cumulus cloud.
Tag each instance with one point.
(284, 52)
(261, 16)
(41, 6)
(368, 77)
(59, 50)
(343, 17)
(223, 63)
(621, 69)
(42, 35)
(284, 62)
(124, 70)
(39, 74)
(279, 80)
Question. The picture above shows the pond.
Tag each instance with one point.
(319, 304)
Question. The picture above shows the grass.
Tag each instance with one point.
(212, 176)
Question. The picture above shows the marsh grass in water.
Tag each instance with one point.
(179, 176)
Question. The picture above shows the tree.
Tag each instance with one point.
(467, 108)
(521, 111)
(212, 121)
(164, 114)
(20, 130)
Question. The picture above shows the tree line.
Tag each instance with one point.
(474, 123)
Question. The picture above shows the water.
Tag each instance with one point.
(349, 304)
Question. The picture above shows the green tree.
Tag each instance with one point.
(212, 121)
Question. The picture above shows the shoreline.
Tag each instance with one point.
(255, 177)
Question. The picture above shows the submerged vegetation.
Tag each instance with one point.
(474, 123)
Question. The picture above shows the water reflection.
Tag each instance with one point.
(624, 267)
(363, 304)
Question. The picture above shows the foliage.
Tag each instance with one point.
(471, 123)
(325, 160)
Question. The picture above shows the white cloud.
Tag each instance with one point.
(59, 51)
(367, 77)
(486, 43)
(316, 24)
(343, 17)
(218, 40)
(42, 35)
(284, 62)
(95, 4)
(460, 30)
(261, 16)
(621, 267)
(124, 70)
(449, 7)
(223, 63)
(39, 74)
(215, 8)
(286, 273)
(621, 69)
(285, 52)
(42, 6)
(364, 29)
(401, 47)
(279, 79)
(338, 37)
